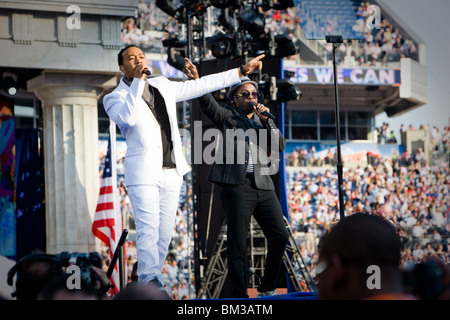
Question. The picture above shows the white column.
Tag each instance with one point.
(70, 137)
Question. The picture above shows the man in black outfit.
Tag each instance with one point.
(244, 178)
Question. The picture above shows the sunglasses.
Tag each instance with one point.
(246, 94)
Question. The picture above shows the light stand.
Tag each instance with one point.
(336, 40)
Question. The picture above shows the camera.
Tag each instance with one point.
(32, 279)
(84, 261)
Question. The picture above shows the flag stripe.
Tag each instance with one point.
(105, 206)
(104, 198)
(106, 190)
(107, 218)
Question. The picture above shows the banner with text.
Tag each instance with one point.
(350, 76)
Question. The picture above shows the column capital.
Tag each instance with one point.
(57, 87)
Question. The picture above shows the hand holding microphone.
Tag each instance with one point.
(263, 111)
(141, 73)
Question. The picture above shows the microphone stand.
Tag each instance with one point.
(336, 40)
(118, 254)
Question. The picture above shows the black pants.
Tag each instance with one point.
(240, 202)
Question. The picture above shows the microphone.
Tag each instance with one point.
(266, 113)
(147, 72)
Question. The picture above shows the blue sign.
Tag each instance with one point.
(353, 76)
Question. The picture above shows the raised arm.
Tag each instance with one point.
(251, 66)
(255, 64)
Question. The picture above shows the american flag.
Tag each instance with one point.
(107, 224)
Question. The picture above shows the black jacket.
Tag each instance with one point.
(237, 131)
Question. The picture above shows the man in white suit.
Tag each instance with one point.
(145, 111)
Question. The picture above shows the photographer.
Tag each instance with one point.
(59, 289)
(42, 276)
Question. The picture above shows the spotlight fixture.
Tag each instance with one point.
(268, 88)
(9, 83)
(221, 45)
(267, 5)
(279, 90)
(168, 7)
(287, 91)
(226, 20)
(283, 4)
(196, 7)
(285, 46)
(176, 51)
(175, 57)
(277, 4)
(253, 22)
(224, 4)
(174, 41)
(264, 44)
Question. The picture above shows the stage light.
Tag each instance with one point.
(9, 84)
(175, 58)
(176, 51)
(174, 41)
(221, 45)
(268, 88)
(196, 7)
(264, 45)
(223, 4)
(267, 4)
(168, 7)
(285, 46)
(226, 20)
(252, 22)
(288, 74)
(287, 91)
(283, 4)
(276, 4)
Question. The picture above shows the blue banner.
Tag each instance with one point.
(29, 193)
(352, 76)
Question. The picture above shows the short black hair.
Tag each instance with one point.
(120, 57)
(363, 239)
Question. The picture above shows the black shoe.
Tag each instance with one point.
(267, 293)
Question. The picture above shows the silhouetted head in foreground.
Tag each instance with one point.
(359, 259)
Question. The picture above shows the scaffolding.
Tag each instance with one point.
(217, 271)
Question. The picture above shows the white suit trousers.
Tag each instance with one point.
(154, 209)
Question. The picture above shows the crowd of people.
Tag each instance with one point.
(380, 45)
(385, 134)
(415, 198)
(386, 43)
(308, 157)
(406, 189)
(148, 28)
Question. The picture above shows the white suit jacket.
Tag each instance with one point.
(126, 107)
